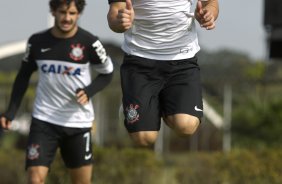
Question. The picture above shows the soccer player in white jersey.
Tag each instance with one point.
(62, 117)
(160, 77)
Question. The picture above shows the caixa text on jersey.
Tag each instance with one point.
(60, 69)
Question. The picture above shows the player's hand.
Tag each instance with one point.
(204, 16)
(125, 16)
(82, 97)
(5, 123)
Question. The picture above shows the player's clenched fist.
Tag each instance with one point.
(5, 123)
(121, 16)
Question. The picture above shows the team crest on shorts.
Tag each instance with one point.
(32, 152)
(131, 113)
(77, 52)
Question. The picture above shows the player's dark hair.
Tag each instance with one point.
(55, 4)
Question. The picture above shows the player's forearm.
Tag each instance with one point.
(19, 88)
(99, 83)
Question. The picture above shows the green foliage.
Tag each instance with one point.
(236, 167)
(7, 77)
(127, 166)
(257, 124)
(256, 96)
(12, 166)
(256, 71)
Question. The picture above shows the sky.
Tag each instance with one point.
(239, 26)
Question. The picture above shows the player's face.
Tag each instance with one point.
(66, 18)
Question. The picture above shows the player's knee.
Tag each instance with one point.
(186, 127)
(35, 180)
(183, 124)
(144, 138)
(37, 174)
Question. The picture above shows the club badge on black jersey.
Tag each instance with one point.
(77, 52)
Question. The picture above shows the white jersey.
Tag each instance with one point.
(162, 30)
(64, 67)
(55, 101)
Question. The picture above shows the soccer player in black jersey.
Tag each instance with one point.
(63, 112)
(160, 76)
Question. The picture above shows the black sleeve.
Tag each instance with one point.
(102, 64)
(99, 83)
(19, 88)
(98, 54)
(111, 1)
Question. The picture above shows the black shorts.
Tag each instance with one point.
(153, 88)
(44, 139)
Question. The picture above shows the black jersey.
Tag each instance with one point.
(64, 67)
